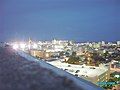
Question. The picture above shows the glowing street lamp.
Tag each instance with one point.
(15, 46)
(22, 46)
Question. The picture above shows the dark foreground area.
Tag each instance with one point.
(17, 73)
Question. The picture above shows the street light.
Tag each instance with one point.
(22, 46)
(15, 46)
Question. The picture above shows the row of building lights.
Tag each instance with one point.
(22, 46)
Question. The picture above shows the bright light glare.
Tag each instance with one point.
(35, 46)
(15, 46)
(22, 46)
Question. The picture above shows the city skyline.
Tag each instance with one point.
(83, 20)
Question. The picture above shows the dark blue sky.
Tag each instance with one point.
(80, 20)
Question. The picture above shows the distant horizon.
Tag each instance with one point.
(36, 40)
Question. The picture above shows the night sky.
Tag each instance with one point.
(79, 20)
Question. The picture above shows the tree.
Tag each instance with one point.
(62, 53)
(74, 59)
(106, 54)
(73, 54)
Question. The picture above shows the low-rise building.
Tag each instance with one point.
(115, 66)
(41, 54)
(90, 73)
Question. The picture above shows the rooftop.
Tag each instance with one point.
(19, 71)
(90, 71)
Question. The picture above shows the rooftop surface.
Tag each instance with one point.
(90, 71)
(17, 72)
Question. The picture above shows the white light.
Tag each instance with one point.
(35, 46)
(29, 46)
(22, 45)
(15, 46)
(47, 55)
(117, 76)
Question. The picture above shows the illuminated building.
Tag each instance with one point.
(115, 66)
(90, 73)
